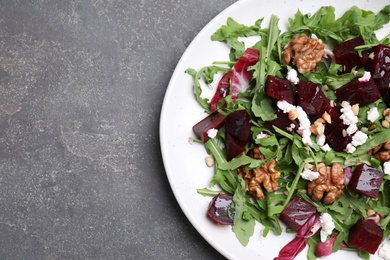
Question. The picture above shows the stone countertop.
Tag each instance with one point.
(81, 88)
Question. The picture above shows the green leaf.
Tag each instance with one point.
(243, 228)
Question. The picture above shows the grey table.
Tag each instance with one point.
(81, 88)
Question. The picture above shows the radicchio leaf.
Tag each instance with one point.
(239, 78)
(294, 247)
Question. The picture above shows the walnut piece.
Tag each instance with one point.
(382, 152)
(329, 185)
(265, 176)
(305, 53)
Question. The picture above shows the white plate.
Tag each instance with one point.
(184, 162)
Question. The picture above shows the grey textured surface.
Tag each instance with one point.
(81, 88)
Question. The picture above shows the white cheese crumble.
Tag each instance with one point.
(384, 251)
(366, 77)
(326, 148)
(285, 106)
(309, 175)
(372, 114)
(320, 139)
(359, 138)
(348, 116)
(350, 148)
(262, 135)
(351, 129)
(212, 133)
(327, 226)
(386, 167)
(304, 121)
(292, 76)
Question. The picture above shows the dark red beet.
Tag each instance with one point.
(366, 180)
(334, 113)
(219, 209)
(214, 120)
(238, 125)
(345, 54)
(283, 122)
(380, 62)
(336, 139)
(279, 89)
(310, 97)
(233, 147)
(366, 236)
(297, 212)
(238, 132)
(383, 84)
(358, 92)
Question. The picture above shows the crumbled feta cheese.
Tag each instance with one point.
(373, 114)
(326, 148)
(304, 121)
(212, 133)
(292, 76)
(351, 129)
(348, 115)
(384, 251)
(359, 138)
(309, 175)
(366, 77)
(262, 135)
(320, 139)
(386, 167)
(350, 148)
(327, 226)
(285, 106)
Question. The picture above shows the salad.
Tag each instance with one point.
(298, 131)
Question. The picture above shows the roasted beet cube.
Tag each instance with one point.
(366, 236)
(279, 89)
(358, 92)
(379, 64)
(220, 209)
(214, 120)
(345, 54)
(238, 125)
(297, 212)
(333, 111)
(383, 84)
(336, 139)
(233, 147)
(283, 122)
(366, 180)
(310, 97)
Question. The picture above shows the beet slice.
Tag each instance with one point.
(310, 97)
(380, 62)
(297, 212)
(220, 209)
(336, 139)
(238, 125)
(279, 88)
(366, 180)
(366, 236)
(345, 54)
(283, 122)
(358, 92)
(214, 120)
(233, 147)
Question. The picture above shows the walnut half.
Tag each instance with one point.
(265, 176)
(304, 52)
(382, 152)
(329, 185)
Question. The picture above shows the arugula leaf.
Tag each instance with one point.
(242, 227)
